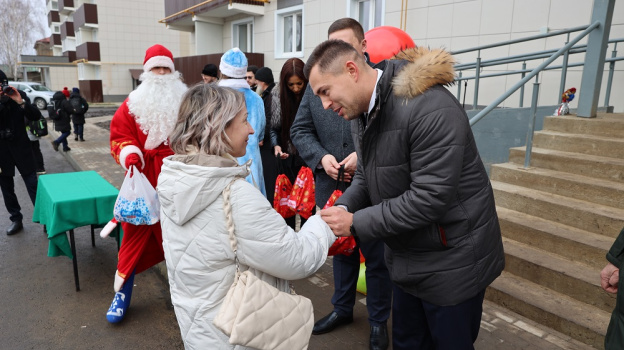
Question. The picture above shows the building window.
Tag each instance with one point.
(368, 12)
(55, 5)
(289, 32)
(56, 29)
(242, 34)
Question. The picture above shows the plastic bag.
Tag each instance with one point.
(283, 188)
(342, 245)
(302, 197)
(137, 202)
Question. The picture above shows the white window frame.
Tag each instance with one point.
(353, 11)
(279, 31)
(250, 35)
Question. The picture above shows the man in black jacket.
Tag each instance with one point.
(77, 107)
(324, 141)
(15, 149)
(420, 186)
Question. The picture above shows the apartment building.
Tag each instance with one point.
(102, 44)
(280, 29)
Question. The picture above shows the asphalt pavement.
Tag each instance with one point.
(40, 308)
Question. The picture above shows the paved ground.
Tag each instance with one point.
(42, 310)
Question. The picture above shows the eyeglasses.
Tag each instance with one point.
(248, 78)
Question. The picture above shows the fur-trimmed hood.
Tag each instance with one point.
(425, 68)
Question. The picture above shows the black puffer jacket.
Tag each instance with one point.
(60, 104)
(15, 148)
(421, 186)
(76, 118)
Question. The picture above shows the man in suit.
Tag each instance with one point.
(325, 143)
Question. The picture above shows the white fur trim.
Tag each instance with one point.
(231, 71)
(234, 83)
(119, 281)
(160, 61)
(123, 154)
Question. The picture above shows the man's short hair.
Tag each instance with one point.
(326, 56)
(347, 23)
(252, 68)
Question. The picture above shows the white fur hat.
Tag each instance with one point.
(158, 56)
(233, 63)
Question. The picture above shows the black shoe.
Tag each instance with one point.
(378, 338)
(81, 139)
(330, 322)
(55, 145)
(76, 138)
(15, 227)
(66, 149)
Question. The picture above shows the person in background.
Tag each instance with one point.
(211, 133)
(210, 73)
(15, 149)
(62, 123)
(233, 67)
(291, 88)
(420, 186)
(610, 279)
(77, 108)
(266, 88)
(66, 92)
(325, 143)
(251, 77)
(139, 133)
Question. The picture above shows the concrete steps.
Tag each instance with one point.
(591, 217)
(576, 319)
(559, 217)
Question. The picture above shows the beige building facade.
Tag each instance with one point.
(281, 29)
(104, 43)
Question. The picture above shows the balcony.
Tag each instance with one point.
(86, 16)
(53, 17)
(89, 51)
(71, 55)
(67, 30)
(181, 14)
(66, 7)
(55, 40)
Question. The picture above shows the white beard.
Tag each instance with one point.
(155, 104)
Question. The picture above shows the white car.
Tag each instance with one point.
(38, 94)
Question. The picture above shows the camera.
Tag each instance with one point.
(6, 134)
(7, 89)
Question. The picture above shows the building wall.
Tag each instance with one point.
(461, 24)
(63, 76)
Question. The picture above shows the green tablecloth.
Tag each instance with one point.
(70, 200)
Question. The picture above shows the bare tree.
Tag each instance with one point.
(19, 28)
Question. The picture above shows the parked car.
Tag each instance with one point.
(40, 95)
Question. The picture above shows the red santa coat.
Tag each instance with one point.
(141, 247)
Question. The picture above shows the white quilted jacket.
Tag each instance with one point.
(200, 261)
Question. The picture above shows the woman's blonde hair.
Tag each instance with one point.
(205, 113)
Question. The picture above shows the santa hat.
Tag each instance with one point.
(158, 56)
(234, 63)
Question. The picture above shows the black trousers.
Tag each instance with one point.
(417, 324)
(10, 199)
(36, 148)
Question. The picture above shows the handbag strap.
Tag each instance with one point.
(229, 222)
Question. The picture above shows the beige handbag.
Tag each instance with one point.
(258, 315)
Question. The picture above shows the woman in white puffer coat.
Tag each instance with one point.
(211, 131)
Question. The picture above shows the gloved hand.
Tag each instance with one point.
(133, 159)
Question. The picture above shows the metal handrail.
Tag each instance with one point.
(533, 73)
(520, 40)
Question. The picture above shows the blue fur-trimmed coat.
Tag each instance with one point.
(257, 119)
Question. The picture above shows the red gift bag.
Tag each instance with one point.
(342, 245)
(283, 189)
(302, 197)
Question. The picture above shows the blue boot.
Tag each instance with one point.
(121, 302)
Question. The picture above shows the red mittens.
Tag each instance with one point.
(133, 159)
